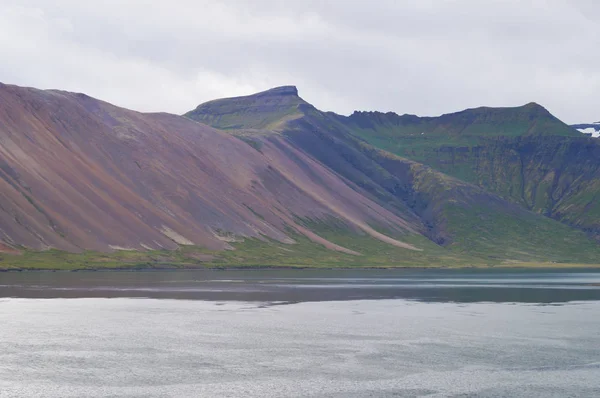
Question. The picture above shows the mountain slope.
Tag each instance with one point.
(523, 154)
(80, 174)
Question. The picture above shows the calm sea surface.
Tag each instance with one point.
(403, 333)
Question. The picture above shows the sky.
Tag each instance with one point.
(424, 57)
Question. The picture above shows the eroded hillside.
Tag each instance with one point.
(81, 174)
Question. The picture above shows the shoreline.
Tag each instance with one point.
(507, 267)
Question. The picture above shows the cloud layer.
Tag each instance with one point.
(425, 56)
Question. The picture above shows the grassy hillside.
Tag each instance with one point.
(416, 137)
(485, 122)
(255, 253)
(523, 154)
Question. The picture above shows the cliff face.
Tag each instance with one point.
(555, 176)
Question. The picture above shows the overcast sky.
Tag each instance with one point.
(425, 57)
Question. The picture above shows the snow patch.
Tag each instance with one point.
(594, 131)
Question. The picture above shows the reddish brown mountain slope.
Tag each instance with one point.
(77, 173)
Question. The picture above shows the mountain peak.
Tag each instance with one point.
(534, 106)
(281, 90)
(263, 110)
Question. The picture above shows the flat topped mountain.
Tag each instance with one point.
(264, 110)
(278, 91)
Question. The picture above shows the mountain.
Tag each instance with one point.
(80, 174)
(590, 128)
(457, 214)
(527, 120)
(260, 180)
(267, 110)
(523, 154)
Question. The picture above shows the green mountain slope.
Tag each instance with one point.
(523, 154)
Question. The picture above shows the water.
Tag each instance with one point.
(301, 333)
(471, 285)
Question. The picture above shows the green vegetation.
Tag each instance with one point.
(524, 155)
(481, 242)
(126, 259)
(251, 253)
(268, 110)
(482, 232)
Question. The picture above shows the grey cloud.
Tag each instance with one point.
(425, 57)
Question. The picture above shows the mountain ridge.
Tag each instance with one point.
(316, 132)
(547, 167)
(272, 176)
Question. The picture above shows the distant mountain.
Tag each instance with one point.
(527, 120)
(269, 180)
(591, 128)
